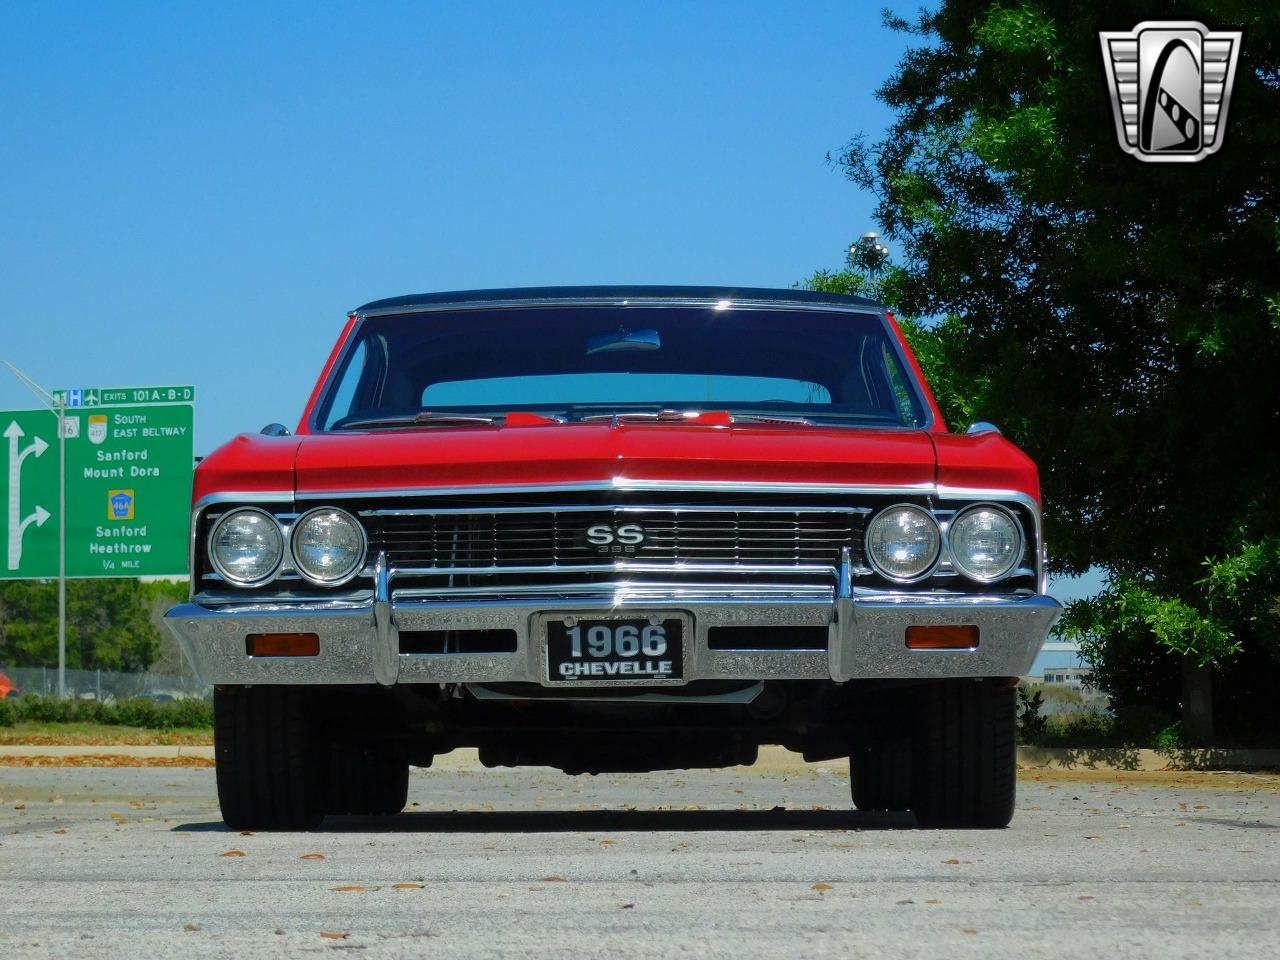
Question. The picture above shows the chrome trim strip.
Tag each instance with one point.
(619, 589)
(625, 484)
(745, 695)
(386, 653)
(615, 508)
(622, 566)
(729, 303)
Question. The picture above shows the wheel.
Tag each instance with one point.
(367, 780)
(880, 775)
(269, 758)
(964, 754)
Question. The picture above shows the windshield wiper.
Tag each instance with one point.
(423, 419)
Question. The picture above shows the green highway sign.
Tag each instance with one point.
(128, 485)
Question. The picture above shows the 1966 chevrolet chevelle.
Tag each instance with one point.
(615, 529)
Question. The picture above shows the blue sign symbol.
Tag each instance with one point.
(75, 398)
(122, 505)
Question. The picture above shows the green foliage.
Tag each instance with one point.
(1031, 723)
(132, 712)
(110, 622)
(1170, 738)
(1119, 320)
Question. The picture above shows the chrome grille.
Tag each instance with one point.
(556, 537)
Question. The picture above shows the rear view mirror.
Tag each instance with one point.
(624, 340)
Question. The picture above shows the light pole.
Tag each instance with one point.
(869, 252)
(58, 407)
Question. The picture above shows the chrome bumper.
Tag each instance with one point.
(359, 640)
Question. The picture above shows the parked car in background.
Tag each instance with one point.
(615, 529)
(7, 689)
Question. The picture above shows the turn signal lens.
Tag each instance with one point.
(942, 638)
(282, 644)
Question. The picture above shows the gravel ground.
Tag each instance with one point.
(758, 862)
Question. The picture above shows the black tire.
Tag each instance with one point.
(367, 780)
(964, 770)
(270, 759)
(880, 775)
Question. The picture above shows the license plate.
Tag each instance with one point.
(599, 651)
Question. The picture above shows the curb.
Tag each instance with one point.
(144, 751)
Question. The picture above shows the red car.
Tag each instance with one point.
(615, 529)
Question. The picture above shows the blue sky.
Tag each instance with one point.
(197, 193)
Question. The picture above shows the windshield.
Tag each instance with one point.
(576, 363)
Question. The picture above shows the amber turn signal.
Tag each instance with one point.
(942, 638)
(282, 644)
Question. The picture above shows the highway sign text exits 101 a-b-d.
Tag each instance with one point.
(129, 454)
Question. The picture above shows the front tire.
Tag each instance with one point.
(270, 758)
(368, 780)
(964, 771)
(880, 776)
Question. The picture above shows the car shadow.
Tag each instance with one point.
(589, 821)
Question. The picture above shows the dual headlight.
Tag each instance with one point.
(904, 542)
(247, 546)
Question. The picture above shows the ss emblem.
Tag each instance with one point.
(615, 537)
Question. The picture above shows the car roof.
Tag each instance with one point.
(527, 296)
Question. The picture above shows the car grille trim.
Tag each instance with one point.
(508, 539)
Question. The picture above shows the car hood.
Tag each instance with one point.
(591, 453)
(596, 452)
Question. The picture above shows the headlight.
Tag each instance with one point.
(903, 542)
(246, 547)
(985, 543)
(328, 546)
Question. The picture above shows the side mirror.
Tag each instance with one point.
(982, 426)
(275, 430)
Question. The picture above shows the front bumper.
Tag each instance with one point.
(359, 640)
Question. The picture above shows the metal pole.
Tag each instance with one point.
(62, 545)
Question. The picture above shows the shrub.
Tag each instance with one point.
(1031, 723)
(133, 712)
(8, 712)
(1087, 729)
(1170, 738)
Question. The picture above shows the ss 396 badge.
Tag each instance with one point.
(1170, 84)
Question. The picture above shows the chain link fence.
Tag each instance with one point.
(107, 684)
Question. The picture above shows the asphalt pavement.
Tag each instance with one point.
(760, 862)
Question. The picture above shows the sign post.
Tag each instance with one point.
(125, 461)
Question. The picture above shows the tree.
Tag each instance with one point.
(1120, 320)
(109, 623)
